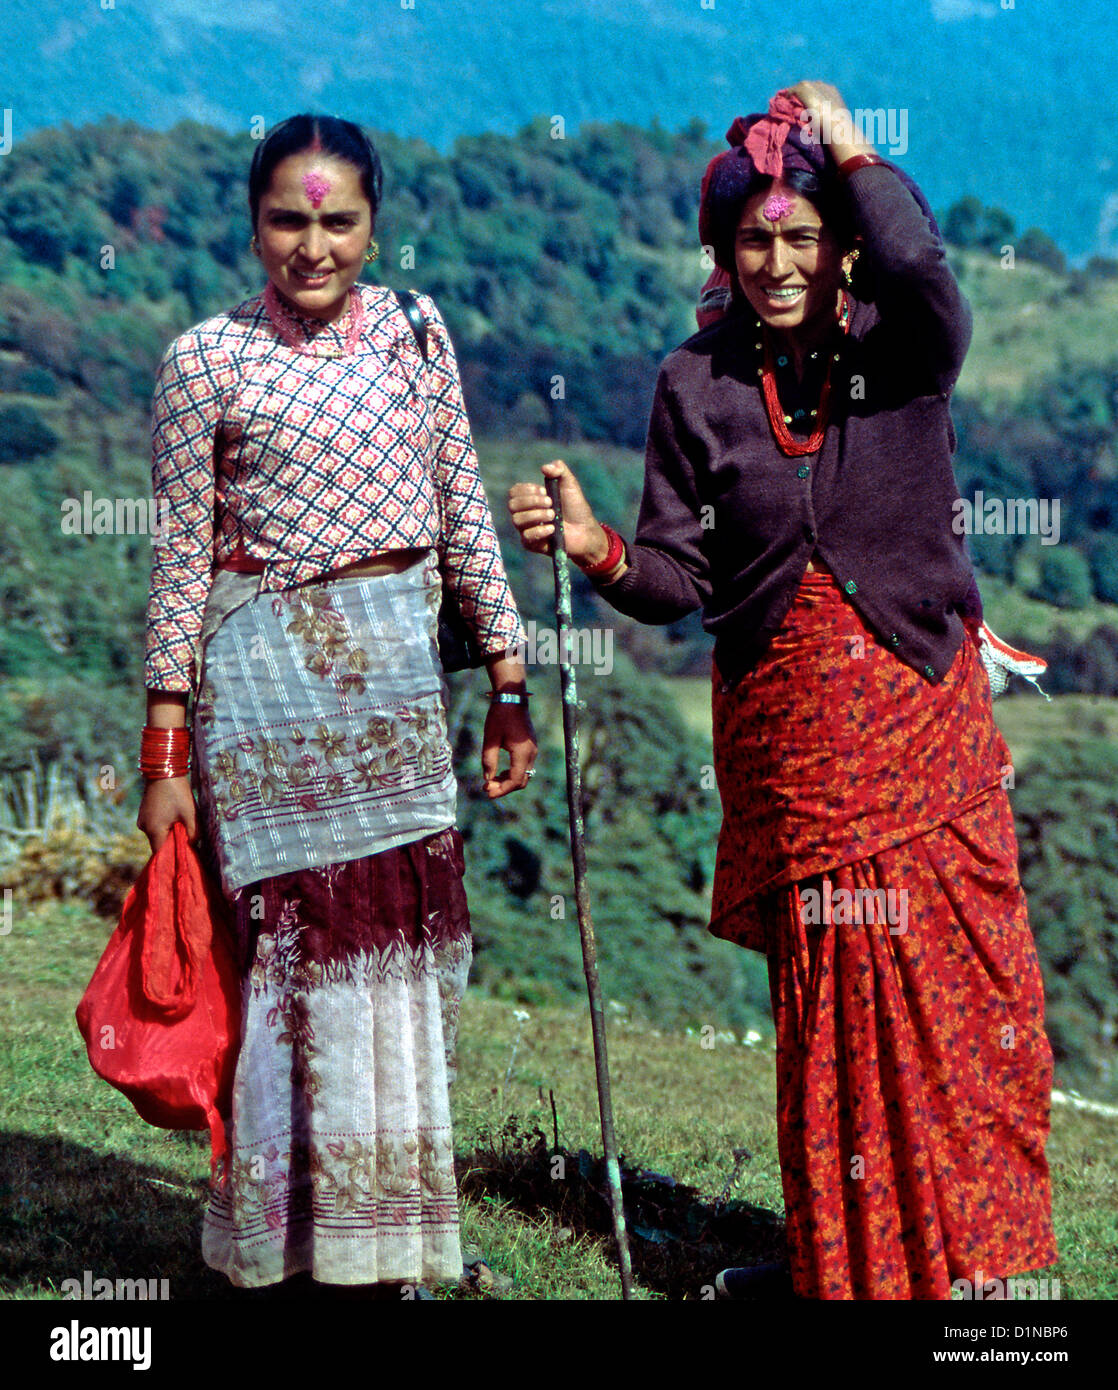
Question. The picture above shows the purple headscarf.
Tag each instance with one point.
(770, 143)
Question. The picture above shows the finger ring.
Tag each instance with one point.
(531, 772)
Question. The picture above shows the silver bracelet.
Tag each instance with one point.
(508, 697)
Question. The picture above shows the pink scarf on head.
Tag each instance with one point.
(765, 138)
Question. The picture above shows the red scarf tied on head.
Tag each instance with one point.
(765, 138)
(757, 143)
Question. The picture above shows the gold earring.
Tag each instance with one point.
(372, 253)
(848, 270)
(254, 247)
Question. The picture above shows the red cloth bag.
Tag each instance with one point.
(161, 1015)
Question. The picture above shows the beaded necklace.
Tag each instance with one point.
(289, 325)
(787, 443)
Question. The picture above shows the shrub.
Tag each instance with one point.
(1064, 578)
(73, 863)
(23, 435)
(1104, 568)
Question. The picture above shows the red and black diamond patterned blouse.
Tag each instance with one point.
(311, 462)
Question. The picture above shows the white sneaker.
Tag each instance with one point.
(1002, 661)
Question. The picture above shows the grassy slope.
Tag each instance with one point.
(1020, 333)
(87, 1185)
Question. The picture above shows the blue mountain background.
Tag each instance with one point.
(1008, 100)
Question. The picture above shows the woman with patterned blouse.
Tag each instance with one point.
(799, 489)
(321, 485)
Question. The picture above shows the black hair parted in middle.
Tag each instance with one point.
(328, 134)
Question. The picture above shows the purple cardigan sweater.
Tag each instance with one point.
(728, 523)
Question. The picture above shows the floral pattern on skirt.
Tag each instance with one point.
(831, 749)
(320, 724)
(913, 1072)
(342, 1160)
(323, 773)
(868, 849)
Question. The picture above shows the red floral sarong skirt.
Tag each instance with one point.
(868, 849)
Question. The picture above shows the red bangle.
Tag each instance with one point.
(614, 555)
(164, 753)
(857, 161)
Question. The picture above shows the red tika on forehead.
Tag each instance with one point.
(316, 186)
(777, 207)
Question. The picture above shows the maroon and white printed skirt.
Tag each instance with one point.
(342, 1161)
(354, 964)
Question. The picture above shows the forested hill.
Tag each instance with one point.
(547, 255)
(551, 255)
(566, 267)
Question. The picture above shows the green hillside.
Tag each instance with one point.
(1030, 321)
(566, 269)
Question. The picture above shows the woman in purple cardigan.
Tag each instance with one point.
(799, 489)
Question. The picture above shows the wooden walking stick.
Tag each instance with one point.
(582, 892)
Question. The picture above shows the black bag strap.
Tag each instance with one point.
(414, 315)
(458, 647)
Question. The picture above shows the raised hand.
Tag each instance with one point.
(831, 116)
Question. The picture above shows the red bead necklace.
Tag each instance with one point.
(786, 441)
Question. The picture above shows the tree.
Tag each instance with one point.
(970, 225)
(1064, 577)
(1066, 806)
(23, 435)
(1035, 245)
(962, 222)
(1103, 557)
(35, 218)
